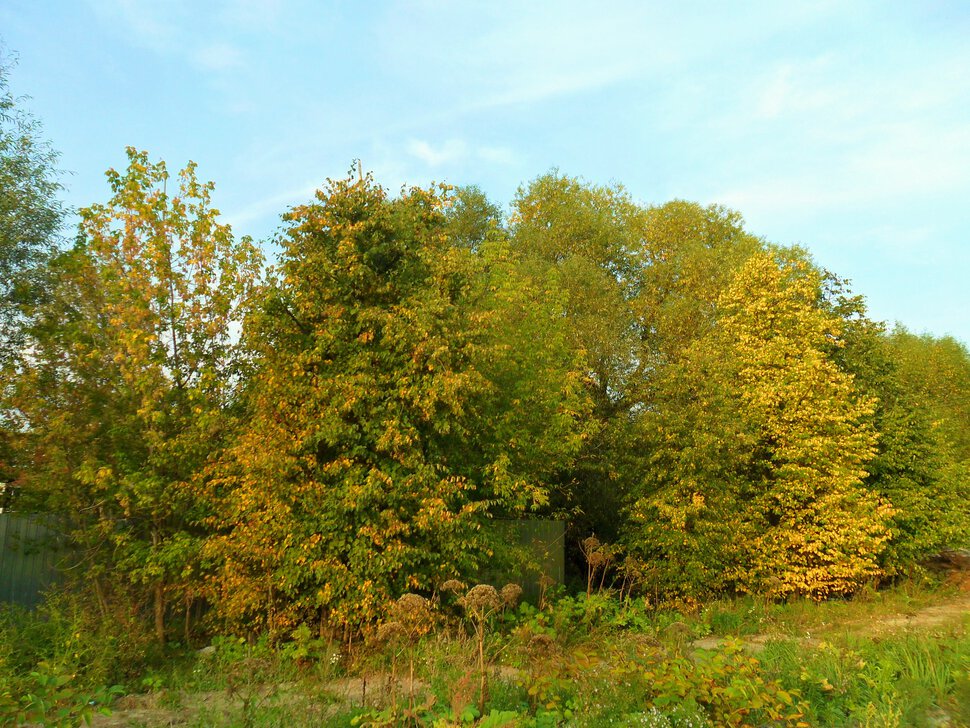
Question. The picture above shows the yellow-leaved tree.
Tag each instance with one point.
(762, 447)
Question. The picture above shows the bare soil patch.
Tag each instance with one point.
(953, 610)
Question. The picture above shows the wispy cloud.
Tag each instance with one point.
(837, 133)
(175, 28)
(794, 88)
(450, 151)
(458, 150)
(273, 204)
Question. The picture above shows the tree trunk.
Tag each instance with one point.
(160, 614)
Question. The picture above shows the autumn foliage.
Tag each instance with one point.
(306, 443)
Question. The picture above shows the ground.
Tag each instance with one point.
(248, 702)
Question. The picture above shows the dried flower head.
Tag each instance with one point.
(510, 594)
(481, 598)
(591, 544)
(390, 631)
(413, 612)
(412, 605)
(546, 581)
(595, 558)
(453, 586)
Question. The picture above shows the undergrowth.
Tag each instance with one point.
(480, 659)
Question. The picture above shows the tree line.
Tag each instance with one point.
(304, 441)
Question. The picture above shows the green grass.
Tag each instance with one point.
(583, 662)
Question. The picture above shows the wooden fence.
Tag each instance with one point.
(29, 551)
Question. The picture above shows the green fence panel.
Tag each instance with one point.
(28, 558)
(536, 549)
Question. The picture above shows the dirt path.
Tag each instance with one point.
(953, 610)
(939, 614)
(161, 710)
(166, 708)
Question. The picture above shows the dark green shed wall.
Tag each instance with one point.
(28, 558)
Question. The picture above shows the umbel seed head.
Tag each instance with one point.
(481, 598)
(389, 631)
(453, 586)
(510, 594)
(411, 605)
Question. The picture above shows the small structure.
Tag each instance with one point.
(535, 551)
(29, 551)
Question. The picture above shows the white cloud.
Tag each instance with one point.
(798, 88)
(451, 151)
(174, 28)
(458, 150)
(837, 133)
(271, 205)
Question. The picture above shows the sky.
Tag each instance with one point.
(843, 127)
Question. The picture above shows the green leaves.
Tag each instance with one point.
(131, 371)
(765, 443)
(30, 216)
(393, 408)
(302, 450)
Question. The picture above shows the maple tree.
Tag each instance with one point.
(125, 390)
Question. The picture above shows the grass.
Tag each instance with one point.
(868, 661)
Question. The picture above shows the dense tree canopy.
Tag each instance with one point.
(392, 411)
(760, 450)
(304, 446)
(131, 369)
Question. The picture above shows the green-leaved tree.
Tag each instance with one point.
(392, 412)
(126, 388)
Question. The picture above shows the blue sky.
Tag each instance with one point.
(843, 127)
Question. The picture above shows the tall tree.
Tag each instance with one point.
(472, 218)
(384, 423)
(641, 286)
(937, 370)
(693, 253)
(30, 213)
(763, 446)
(924, 454)
(591, 239)
(30, 217)
(124, 394)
